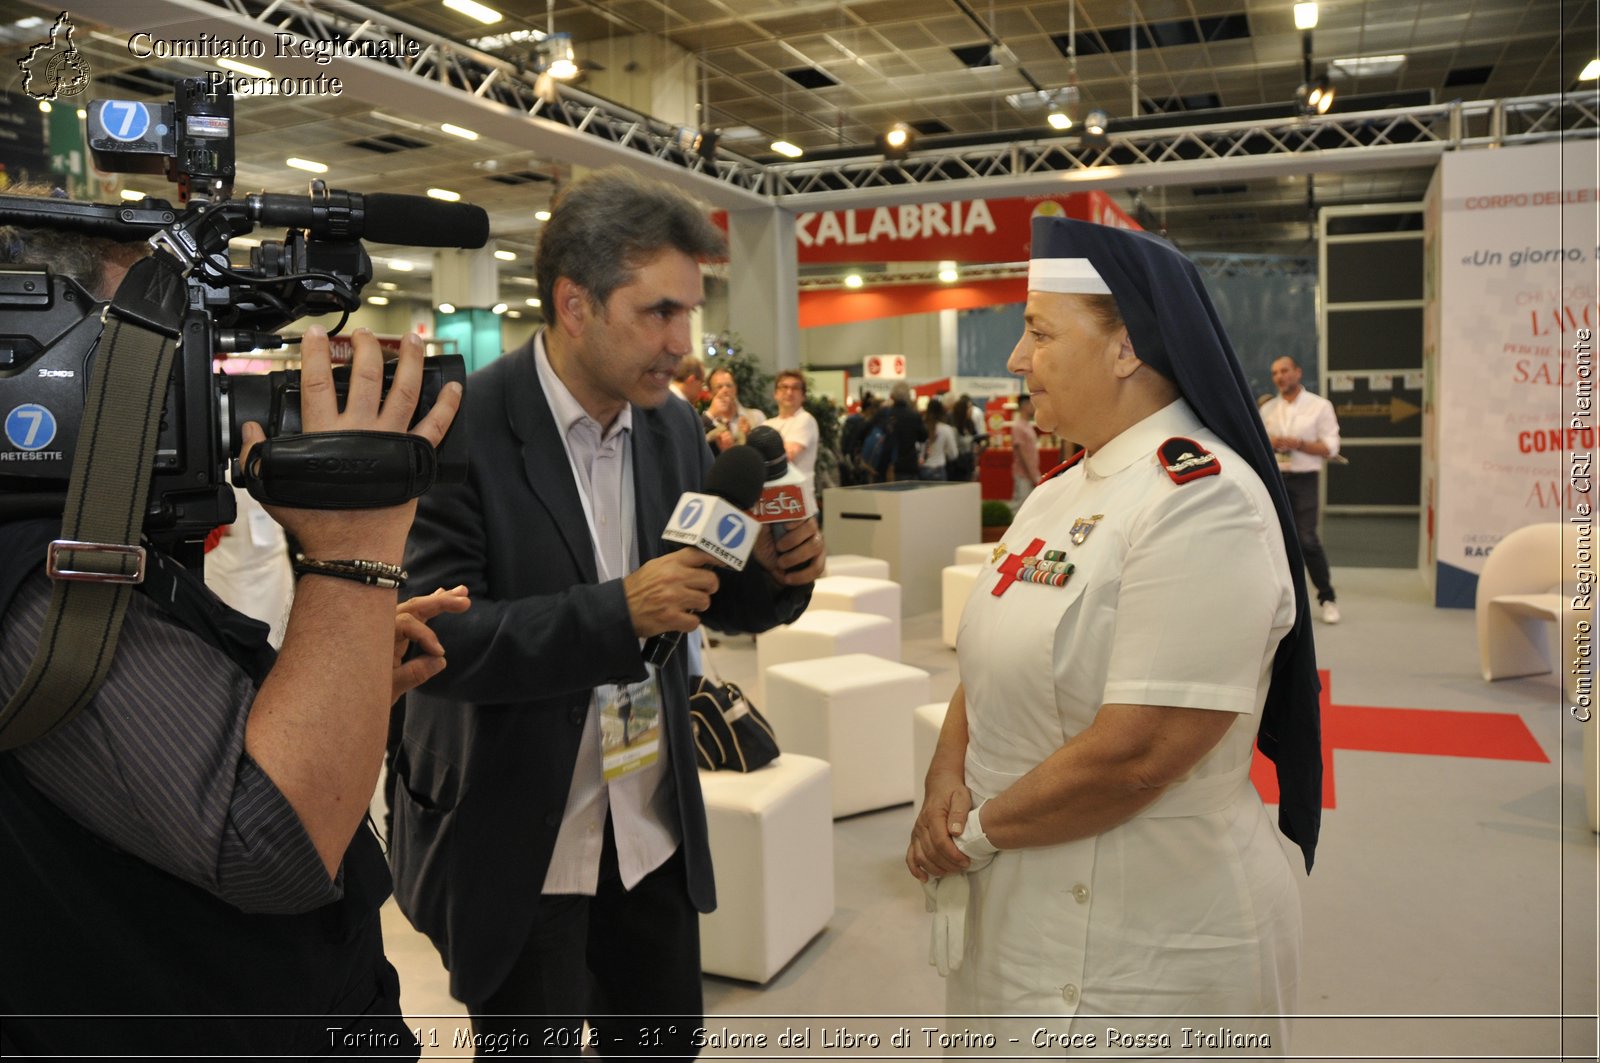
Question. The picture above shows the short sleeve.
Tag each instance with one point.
(1205, 598)
(1328, 429)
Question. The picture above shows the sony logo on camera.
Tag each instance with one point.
(342, 466)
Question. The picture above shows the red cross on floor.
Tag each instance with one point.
(1434, 732)
(1011, 566)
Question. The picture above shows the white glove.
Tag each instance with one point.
(947, 900)
(974, 843)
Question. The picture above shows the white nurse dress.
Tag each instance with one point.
(1179, 596)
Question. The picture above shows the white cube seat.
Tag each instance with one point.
(859, 594)
(825, 633)
(974, 553)
(771, 833)
(926, 721)
(855, 565)
(958, 583)
(853, 711)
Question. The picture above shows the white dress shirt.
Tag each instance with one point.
(1309, 418)
(641, 802)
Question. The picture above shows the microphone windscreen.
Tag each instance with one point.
(769, 444)
(423, 222)
(737, 475)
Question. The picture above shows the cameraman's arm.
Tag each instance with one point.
(155, 764)
(319, 724)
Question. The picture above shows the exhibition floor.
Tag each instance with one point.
(1451, 914)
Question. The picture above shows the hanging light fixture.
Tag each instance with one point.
(1094, 128)
(1316, 95)
(554, 58)
(559, 58)
(896, 141)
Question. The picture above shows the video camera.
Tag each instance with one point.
(51, 328)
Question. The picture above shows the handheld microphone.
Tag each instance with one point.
(714, 520)
(782, 498)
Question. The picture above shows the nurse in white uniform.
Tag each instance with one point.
(1093, 848)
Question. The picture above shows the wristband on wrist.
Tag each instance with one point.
(972, 840)
(371, 573)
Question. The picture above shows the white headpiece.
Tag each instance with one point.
(1075, 276)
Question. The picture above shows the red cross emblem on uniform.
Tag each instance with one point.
(1011, 567)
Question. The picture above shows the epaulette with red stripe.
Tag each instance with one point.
(1064, 466)
(1186, 460)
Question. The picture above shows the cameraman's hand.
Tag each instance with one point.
(411, 625)
(371, 534)
(666, 592)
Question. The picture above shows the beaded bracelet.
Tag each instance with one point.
(372, 573)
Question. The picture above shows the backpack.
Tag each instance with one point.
(879, 449)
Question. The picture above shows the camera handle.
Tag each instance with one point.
(98, 559)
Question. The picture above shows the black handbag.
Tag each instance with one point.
(730, 734)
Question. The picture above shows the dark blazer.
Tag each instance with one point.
(488, 748)
(910, 432)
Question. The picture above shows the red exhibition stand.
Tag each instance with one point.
(994, 470)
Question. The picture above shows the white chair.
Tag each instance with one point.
(1526, 588)
(958, 583)
(771, 834)
(926, 723)
(854, 712)
(974, 553)
(824, 633)
(1519, 594)
(855, 565)
(857, 594)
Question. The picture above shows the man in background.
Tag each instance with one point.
(730, 422)
(907, 432)
(1305, 433)
(798, 429)
(688, 380)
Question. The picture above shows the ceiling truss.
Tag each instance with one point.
(1385, 139)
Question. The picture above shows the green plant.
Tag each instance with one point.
(826, 412)
(995, 514)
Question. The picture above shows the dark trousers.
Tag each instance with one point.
(628, 961)
(1303, 490)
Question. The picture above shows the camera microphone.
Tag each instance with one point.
(382, 217)
(714, 520)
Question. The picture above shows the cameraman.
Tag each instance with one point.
(188, 854)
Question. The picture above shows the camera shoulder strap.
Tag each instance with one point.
(98, 559)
